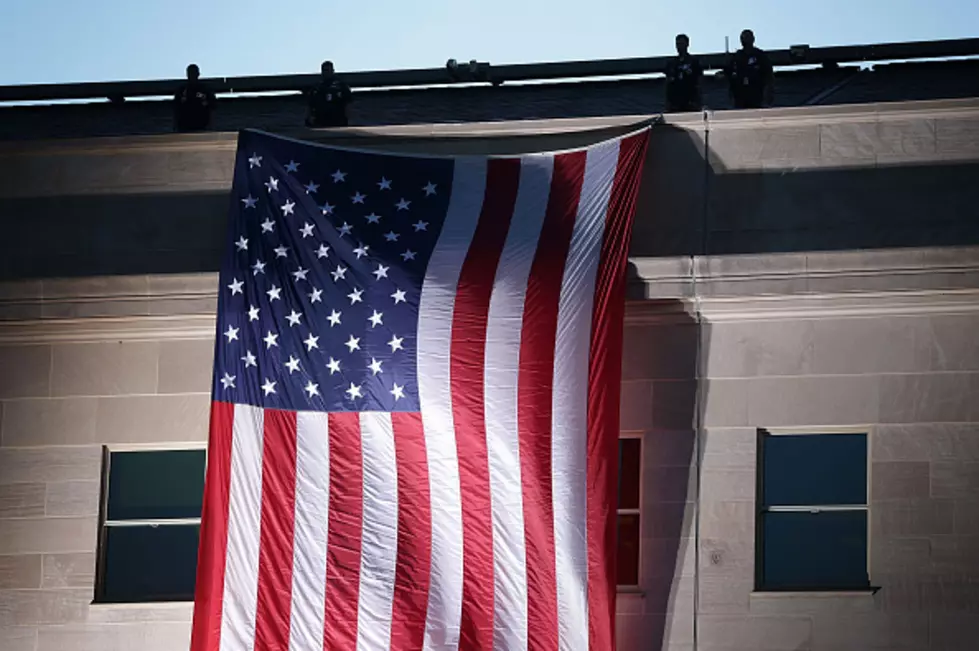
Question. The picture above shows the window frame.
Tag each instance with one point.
(630, 587)
(760, 509)
(105, 523)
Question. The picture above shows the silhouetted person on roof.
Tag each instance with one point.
(193, 103)
(328, 100)
(683, 74)
(750, 75)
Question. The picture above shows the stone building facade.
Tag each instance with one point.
(810, 271)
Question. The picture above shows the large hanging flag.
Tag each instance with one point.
(413, 440)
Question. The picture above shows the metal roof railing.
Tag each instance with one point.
(797, 55)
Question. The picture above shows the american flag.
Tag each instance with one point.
(415, 400)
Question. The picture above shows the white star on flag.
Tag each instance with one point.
(345, 229)
(287, 208)
(334, 318)
(249, 359)
(254, 161)
(300, 274)
(271, 340)
(314, 297)
(242, 244)
(231, 334)
(408, 255)
(312, 389)
(420, 226)
(311, 342)
(274, 293)
(292, 364)
(403, 205)
(338, 273)
(361, 251)
(293, 318)
(381, 271)
(292, 166)
(358, 197)
(375, 319)
(374, 366)
(391, 236)
(384, 184)
(236, 286)
(307, 230)
(353, 343)
(228, 381)
(333, 365)
(252, 313)
(249, 201)
(429, 189)
(272, 184)
(398, 392)
(258, 267)
(268, 225)
(373, 218)
(353, 391)
(354, 296)
(395, 343)
(311, 188)
(398, 296)
(268, 387)
(322, 251)
(339, 177)
(280, 252)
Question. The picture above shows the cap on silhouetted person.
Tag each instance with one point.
(327, 101)
(683, 74)
(750, 75)
(193, 103)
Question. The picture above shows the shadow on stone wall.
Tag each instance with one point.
(691, 203)
(667, 349)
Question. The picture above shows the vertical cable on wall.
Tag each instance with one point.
(701, 362)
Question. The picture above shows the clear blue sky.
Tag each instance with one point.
(98, 40)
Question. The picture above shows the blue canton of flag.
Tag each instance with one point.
(318, 304)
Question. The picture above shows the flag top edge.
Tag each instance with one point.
(634, 130)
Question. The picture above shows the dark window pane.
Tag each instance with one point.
(629, 461)
(149, 563)
(814, 469)
(156, 485)
(627, 552)
(826, 550)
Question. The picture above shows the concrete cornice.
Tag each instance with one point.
(719, 288)
(226, 141)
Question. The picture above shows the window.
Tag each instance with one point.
(627, 552)
(812, 512)
(150, 522)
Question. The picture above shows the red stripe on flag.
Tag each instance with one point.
(211, 553)
(414, 534)
(604, 389)
(534, 395)
(272, 613)
(345, 525)
(468, 409)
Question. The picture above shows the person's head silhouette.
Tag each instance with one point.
(326, 70)
(747, 39)
(682, 44)
(193, 72)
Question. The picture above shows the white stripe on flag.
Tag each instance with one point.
(379, 546)
(312, 516)
(500, 378)
(435, 310)
(244, 527)
(569, 444)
